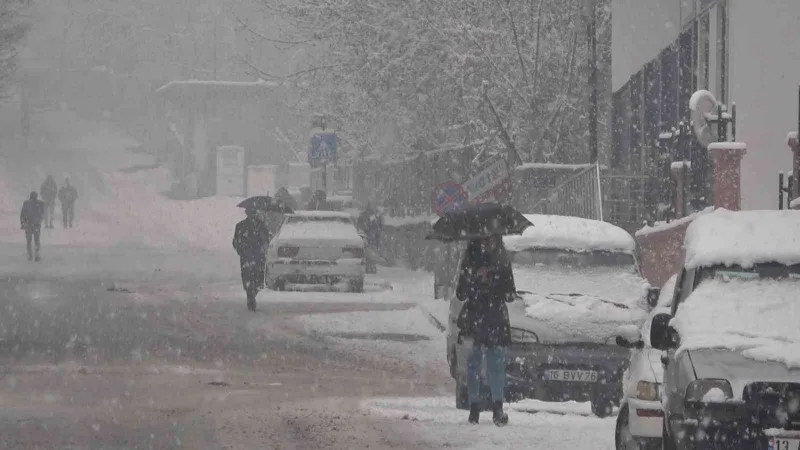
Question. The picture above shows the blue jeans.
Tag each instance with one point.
(495, 371)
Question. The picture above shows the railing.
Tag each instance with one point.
(580, 195)
(626, 200)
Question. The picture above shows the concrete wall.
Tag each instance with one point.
(765, 73)
(640, 30)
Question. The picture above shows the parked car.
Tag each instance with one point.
(316, 247)
(641, 415)
(731, 338)
(580, 288)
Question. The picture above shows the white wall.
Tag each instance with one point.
(765, 73)
(641, 29)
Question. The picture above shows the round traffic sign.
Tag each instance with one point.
(447, 197)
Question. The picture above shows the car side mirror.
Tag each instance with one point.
(625, 343)
(653, 293)
(662, 335)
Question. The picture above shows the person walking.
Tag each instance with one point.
(250, 240)
(48, 193)
(485, 285)
(67, 196)
(31, 221)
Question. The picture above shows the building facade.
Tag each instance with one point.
(744, 52)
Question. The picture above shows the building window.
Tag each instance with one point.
(651, 87)
(621, 132)
(703, 50)
(723, 54)
(686, 70)
(669, 88)
(636, 124)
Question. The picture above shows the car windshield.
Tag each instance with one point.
(759, 271)
(575, 277)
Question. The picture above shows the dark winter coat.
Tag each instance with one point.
(49, 190)
(251, 239)
(32, 214)
(484, 316)
(67, 195)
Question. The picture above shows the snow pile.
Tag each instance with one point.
(664, 226)
(572, 233)
(743, 238)
(756, 317)
(537, 424)
(591, 305)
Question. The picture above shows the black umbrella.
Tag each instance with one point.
(265, 203)
(479, 221)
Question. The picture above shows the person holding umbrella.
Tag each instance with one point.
(486, 284)
(250, 240)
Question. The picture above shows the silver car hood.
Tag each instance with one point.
(738, 369)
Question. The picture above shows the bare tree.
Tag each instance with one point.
(13, 27)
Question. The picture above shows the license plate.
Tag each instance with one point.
(783, 444)
(586, 376)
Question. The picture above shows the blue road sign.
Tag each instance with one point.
(448, 196)
(323, 148)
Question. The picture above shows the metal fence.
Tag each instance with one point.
(580, 195)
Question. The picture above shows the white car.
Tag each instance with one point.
(316, 247)
(641, 416)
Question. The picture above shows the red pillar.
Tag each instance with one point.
(726, 158)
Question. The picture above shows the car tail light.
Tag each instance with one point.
(356, 252)
(288, 252)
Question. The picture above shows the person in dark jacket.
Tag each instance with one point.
(30, 220)
(485, 285)
(283, 195)
(319, 202)
(250, 240)
(49, 191)
(67, 196)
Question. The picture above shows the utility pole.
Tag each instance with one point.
(591, 31)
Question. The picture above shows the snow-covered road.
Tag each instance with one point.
(133, 332)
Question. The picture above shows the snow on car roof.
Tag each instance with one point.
(743, 238)
(572, 233)
(321, 214)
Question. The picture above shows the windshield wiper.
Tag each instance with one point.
(574, 294)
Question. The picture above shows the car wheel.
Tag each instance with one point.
(666, 441)
(462, 395)
(623, 438)
(280, 285)
(357, 285)
(602, 408)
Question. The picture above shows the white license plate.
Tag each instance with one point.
(783, 444)
(587, 376)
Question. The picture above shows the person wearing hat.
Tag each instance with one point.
(250, 240)
(30, 220)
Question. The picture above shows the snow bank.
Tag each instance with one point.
(537, 424)
(572, 233)
(743, 238)
(410, 220)
(756, 317)
(664, 226)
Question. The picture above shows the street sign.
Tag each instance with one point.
(447, 197)
(490, 183)
(322, 149)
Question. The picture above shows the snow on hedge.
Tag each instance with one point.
(755, 317)
(571, 233)
(743, 238)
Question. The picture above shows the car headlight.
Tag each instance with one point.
(709, 391)
(520, 336)
(646, 390)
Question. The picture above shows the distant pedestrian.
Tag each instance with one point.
(250, 240)
(30, 220)
(49, 191)
(319, 201)
(485, 285)
(67, 196)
